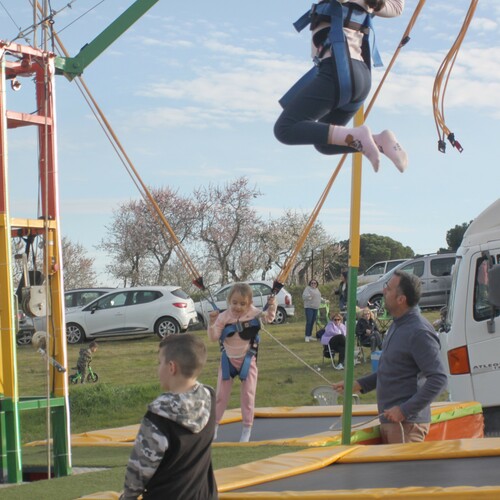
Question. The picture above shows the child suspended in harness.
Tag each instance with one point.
(237, 330)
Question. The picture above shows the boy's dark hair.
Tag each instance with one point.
(187, 350)
(409, 285)
(92, 344)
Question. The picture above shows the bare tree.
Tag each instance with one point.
(140, 244)
(227, 225)
(78, 267)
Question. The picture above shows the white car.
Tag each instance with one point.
(163, 310)
(261, 291)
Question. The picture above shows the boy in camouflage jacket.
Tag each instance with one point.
(172, 451)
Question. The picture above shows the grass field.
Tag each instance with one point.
(128, 382)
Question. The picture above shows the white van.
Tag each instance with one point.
(377, 270)
(471, 340)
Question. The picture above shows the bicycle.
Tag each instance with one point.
(77, 377)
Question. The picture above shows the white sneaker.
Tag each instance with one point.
(340, 366)
(310, 339)
(245, 434)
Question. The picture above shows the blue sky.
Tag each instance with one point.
(191, 91)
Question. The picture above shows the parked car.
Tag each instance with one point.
(78, 297)
(377, 270)
(434, 271)
(261, 291)
(163, 310)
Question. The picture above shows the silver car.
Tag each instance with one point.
(434, 271)
(163, 310)
(261, 292)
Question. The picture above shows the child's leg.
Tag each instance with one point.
(222, 396)
(247, 400)
(388, 145)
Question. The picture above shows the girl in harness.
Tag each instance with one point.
(237, 331)
(322, 102)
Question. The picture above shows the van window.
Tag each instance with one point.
(442, 267)
(416, 268)
(482, 307)
(378, 268)
(392, 265)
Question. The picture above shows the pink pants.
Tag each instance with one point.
(247, 392)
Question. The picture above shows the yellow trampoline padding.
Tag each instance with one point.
(313, 411)
(414, 492)
(292, 464)
(428, 450)
(102, 495)
(280, 466)
(120, 436)
(125, 436)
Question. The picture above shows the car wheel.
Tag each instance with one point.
(166, 326)
(24, 338)
(280, 316)
(74, 333)
(376, 301)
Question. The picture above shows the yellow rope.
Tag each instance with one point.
(289, 262)
(441, 83)
(148, 198)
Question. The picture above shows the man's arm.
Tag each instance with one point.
(149, 449)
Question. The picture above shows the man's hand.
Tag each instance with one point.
(394, 414)
(339, 387)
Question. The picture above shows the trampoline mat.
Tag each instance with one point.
(267, 429)
(478, 471)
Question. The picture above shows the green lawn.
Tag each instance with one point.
(128, 382)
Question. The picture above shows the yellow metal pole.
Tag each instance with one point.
(352, 280)
(10, 442)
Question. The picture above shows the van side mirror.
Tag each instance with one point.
(494, 286)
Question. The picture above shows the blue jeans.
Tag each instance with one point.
(307, 118)
(311, 315)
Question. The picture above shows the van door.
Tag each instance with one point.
(437, 281)
(483, 344)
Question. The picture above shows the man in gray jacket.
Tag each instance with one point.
(410, 372)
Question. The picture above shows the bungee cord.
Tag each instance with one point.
(319, 374)
(441, 82)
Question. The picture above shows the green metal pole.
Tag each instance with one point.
(74, 66)
(352, 281)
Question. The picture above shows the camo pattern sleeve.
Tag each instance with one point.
(149, 449)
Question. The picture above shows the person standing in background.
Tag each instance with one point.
(342, 291)
(312, 300)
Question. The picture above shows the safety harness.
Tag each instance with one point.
(350, 16)
(248, 330)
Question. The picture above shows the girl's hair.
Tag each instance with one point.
(376, 5)
(313, 281)
(243, 289)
